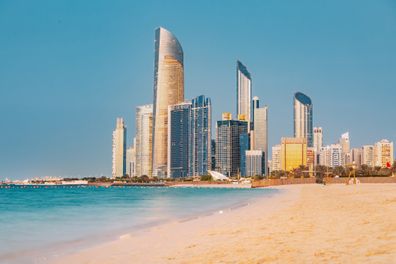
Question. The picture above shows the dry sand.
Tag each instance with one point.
(307, 224)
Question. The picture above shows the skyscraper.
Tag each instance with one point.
(119, 149)
(244, 92)
(178, 140)
(200, 137)
(303, 117)
(144, 132)
(356, 156)
(168, 90)
(260, 134)
(331, 156)
(228, 154)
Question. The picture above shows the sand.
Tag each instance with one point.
(305, 224)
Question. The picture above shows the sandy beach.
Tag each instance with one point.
(304, 224)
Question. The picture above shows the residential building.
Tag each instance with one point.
(260, 134)
(368, 155)
(383, 153)
(254, 163)
(276, 158)
(119, 149)
(356, 157)
(144, 135)
(131, 160)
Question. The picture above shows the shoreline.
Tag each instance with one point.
(304, 224)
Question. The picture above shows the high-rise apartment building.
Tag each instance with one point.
(168, 90)
(303, 118)
(318, 139)
(228, 156)
(119, 149)
(383, 153)
(331, 156)
(244, 92)
(368, 155)
(293, 153)
(276, 158)
(254, 163)
(260, 134)
(144, 135)
(131, 160)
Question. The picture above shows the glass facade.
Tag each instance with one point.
(260, 134)
(243, 146)
(303, 117)
(179, 135)
(293, 153)
(200, 141)
(244, 92)
(228, 156)
(168, 90)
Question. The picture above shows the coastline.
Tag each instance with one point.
(305, 223)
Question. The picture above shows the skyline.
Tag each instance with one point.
(52, 126)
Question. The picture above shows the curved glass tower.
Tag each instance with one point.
(303, 118)
(168, 90)
(244, 92)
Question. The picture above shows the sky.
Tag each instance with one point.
(68, 69)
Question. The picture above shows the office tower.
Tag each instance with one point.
(144, 135)
(303, 118)
(276, 158)
(119, 149)
(368, 155)
(200, 136)
(228, 146)
(356, 157)
(178, 140)
(260, 134)
(168, 90)
(254, 163)
(243, 147)
(383, 153)
(131, 160)
(346, 148)
(244, 93)
(293, 153)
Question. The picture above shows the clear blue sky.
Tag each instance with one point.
(69, 68)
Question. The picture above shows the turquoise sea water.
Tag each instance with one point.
(39, 223)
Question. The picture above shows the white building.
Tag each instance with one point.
(260, 134)
(119, 149)
(244, 93)
(254, 163)
(368, 155)
(144, 132)
(131, 160)
(331, 156)
(276, 158)
(383, 153)
(318, 139)
(346, 148)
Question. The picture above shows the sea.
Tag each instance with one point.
(38, 224)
